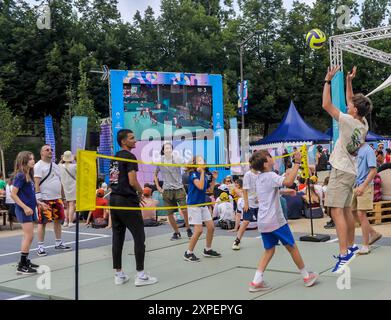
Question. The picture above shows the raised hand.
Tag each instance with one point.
(331, 72)
(352, 74)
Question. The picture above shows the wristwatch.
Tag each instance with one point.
(327, 81)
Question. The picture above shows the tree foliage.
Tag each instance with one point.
(47, 71)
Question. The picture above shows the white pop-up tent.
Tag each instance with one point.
(384, 85)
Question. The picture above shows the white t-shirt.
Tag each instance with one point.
(270, 214)
(215, 211)
(51, 188)
(226, 211)
(352, 133)
(8, 190)
(250, 184)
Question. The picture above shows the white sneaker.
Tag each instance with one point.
(364, 250)
(65, 225)
(138, 282)
(121, 279)
(71, 224)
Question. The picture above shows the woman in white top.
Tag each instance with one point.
(68, 181)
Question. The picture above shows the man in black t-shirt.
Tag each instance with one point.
(127, 192)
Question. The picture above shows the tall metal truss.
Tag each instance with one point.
(356, 42)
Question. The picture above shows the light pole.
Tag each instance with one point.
(241, 50)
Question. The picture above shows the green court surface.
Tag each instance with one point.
(224, 278)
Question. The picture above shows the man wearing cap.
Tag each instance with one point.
(48, 189)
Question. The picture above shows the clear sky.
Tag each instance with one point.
(129, 7)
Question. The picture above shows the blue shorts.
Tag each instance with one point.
(251, 215)
(283, 234)
(22, 217)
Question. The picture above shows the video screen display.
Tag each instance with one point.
(184, 108)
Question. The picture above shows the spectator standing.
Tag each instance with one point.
(68, 181)
(48, 189)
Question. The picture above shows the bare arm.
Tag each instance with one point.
(156, 180)
(132, 176)
(361, 188)
(291, 175)
(20, 203)
(213, 183)
(245, 198)
(326, 102)
(36, 183)
(200, 183)
(349, 88)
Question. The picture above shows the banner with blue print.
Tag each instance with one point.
(49, 135)
(79, 133)
(243, 97)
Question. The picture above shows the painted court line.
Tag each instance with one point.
(52, 246)
(89, 234)
(332, 240)
(20, 297)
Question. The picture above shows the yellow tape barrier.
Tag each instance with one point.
(158, 208)
(87, 175)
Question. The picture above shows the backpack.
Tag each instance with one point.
(226, 224)
(322, 163)
(377, 194)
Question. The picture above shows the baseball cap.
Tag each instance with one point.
(224, 196)
(100, 192)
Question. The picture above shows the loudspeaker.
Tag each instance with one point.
(93, 140)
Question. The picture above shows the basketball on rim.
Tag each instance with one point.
(316, 39)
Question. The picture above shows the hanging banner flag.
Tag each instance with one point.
(79, 134)
(86, 180)
(49, 135)
(234, 147)
(244, 99)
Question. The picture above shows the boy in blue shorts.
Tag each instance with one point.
(271, 221)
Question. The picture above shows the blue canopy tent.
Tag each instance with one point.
(293, 129)
(370, 136)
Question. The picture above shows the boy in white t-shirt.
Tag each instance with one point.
(271, 220)
(250, 210)
(353, 128)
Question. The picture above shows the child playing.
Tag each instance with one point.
(250, 210)
(353, 128)
(198, 186)
(271, 221)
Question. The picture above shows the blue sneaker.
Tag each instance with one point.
(343, 262)
(354, 249)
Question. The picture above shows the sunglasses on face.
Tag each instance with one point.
(48, 149)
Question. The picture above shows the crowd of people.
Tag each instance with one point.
(357, 178)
